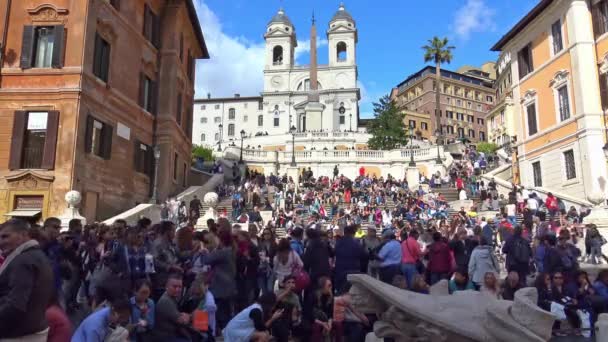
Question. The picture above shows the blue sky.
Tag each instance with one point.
(391, 33)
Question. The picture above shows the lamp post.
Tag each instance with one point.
(154, 198)
(293, 146)
(242, 139)
(351, 121)
(219, 144)
(412, 162)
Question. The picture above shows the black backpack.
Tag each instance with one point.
(521, 251)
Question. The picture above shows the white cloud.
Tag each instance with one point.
(236, 64)
(474, 16)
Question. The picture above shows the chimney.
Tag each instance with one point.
(237, 95)
(208, 95)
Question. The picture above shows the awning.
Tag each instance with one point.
(24, 213)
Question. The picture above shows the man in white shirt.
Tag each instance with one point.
(511, 213)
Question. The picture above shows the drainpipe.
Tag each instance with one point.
(7, 15)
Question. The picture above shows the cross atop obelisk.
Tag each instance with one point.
(313, 95)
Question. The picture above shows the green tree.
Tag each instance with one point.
(387, 129)
(487, 147)
(438, 51)
(201, 152)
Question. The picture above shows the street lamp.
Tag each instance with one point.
(412, 162)
(293, 146)
(242, 139)
(154, 198)
(351, 121)
(438, 135)
(219, 144)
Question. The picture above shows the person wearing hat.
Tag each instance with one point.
(389, 257)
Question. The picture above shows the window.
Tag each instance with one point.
(245, 118)
(449, 100)
(151, 26)
(217, 119)
(147, 94)
(599, 14)
(412, 123)
(34, 139)
(42, 47)
(479, 108)
(203, 107)
(469, 105)
(536, 174)
(460, 116)
(531, 113)
(342, 119)
(217, 106)
(245, 105)
(460, 132)
(203, 137)
(493, 122)
(482, 136)
(98, 138)
(470, 118)
(563, 102)
(604, 90)
(175, 163)
(569, 164)
(424, 126)
(217, 136)
(230, 130)
(143, 157)
(231, 113)
(191, 65)
(275, 121)
(178, 112)
(471, 133)
(450, 129)
(101, 59)
(277, 55)
(556, 34)
(479, 121)
(524, 59)
(203, 120)
(185, 175)
(260, 120)
(489, 99)
(260, 105)
(341, 55)
(449, 114)
(459, 103)
(502, 116)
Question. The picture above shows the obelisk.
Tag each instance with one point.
(314, 109)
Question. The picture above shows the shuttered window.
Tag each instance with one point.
(524, 60)
(42, 47)
(531, 116)
(569, 165)
(599, 15)
(537, 174)
(143, 157)
(178, 113)
(34, 140)
(604, 90)
(101, 60)
(151, 26)
(98, 138)
(148, 94)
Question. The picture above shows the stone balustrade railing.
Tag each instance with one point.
(334, 156)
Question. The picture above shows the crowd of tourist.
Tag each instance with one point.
(167, 281)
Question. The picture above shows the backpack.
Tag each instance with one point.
(521, 251)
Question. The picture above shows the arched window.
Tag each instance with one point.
(341, 51)
(231, 113)
(231, 130)
(305, 85)
(260, 120)
(203, 137)
(277, 55)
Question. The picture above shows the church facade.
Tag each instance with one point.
(287, 92)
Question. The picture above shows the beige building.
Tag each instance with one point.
(420, 122)
(501, 122)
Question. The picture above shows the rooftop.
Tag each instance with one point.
(342, 14)
(280, 18)
(197, 28)
(538, 9)
(445, 74)
(235, 98)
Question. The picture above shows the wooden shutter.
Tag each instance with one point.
(27, 47)
(604, 90)
(142, 90)
(155, 29)
(153, 98)
(88, 134)
(58, 46)
(19, 126)
(136, 155)
(105, 60)
(106, 141)
(97, 56)
(50, 143)
(178, 113)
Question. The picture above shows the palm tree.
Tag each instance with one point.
(438, 51)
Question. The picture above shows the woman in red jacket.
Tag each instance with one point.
(552, 205)
(440, 260)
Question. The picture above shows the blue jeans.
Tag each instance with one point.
(266, 283)
(512, 219)
(409, 271)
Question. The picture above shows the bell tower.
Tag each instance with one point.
(281, 42)
(342, 39)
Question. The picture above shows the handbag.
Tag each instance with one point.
(302, 279)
